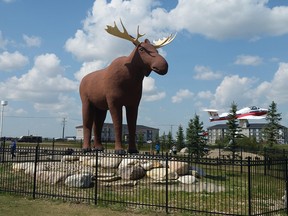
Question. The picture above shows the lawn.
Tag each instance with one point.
(15, 206)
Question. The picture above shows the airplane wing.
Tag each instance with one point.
(252, 117)
(210, 110)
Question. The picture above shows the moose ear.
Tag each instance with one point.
(147, 41)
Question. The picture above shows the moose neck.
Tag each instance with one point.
(138, 65)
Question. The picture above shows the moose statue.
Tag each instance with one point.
(117, 86)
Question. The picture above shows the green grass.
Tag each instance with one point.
(16, 205)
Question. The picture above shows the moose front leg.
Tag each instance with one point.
(131, 115)
(99, 118)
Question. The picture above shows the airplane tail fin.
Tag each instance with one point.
(213, 114)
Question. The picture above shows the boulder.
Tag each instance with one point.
(159, 174)
(91, 162)
(110, 162)
(109, 178)
(69, 158)
(187, 179)
(79, 180)
(131, 172)
(21, 166)
(184, 150)
(196, 171)
(181, 168)
(52, 177)
(148, 165)
(127, 162)
(30, 170)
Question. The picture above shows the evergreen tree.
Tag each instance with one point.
(163, 141)
(233, 129)
(169, 140)
(194, 136)
(180, 138)
(273, 119)
(140, 140)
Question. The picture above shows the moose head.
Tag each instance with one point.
(147, 52)
(118, 85)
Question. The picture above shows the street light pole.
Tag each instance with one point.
(3, 104)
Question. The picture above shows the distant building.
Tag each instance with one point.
(219, 131)
(108, 133)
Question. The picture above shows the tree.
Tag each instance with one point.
(180, 138)
(271, 130)
(233, 128)
(169, 140)
(163, 141)
(140, 140)
(195, 139)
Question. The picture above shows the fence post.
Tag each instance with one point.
(53, 148)
(166, 186)
(35, 170)
(3, 149)
(286, 190)
(249, 187)
(96, 180)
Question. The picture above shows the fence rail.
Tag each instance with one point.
(158, 182)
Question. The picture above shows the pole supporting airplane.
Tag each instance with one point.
(252, 112)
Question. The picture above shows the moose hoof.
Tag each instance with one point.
(120, 152)
(98, 149)
(133, 151)
(85, 150)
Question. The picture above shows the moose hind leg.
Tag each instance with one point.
(131, 115)
(99, 118)
(87, 115)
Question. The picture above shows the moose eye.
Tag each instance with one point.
(141, 49)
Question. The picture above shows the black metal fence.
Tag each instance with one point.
(170, 183)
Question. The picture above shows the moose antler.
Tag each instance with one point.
(124, 35)
(162, 42)
(114, 30)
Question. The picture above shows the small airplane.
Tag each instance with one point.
(252, 112)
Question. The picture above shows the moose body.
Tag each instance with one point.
(117, 86)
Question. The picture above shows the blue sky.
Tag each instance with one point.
(224, 51)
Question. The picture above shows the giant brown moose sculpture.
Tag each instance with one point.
(118, 85)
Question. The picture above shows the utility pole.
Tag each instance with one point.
(63, 131)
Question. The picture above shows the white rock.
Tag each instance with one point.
(78, 180)
(182, 168)
(69, 158)
(159, 174)
(127, 162)
(110, 162)
(187, 179)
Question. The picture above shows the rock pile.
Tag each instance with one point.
(79, 171)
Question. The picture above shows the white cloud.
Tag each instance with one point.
(43, 84)
(205, 95)
(88, 67)
(277, 89)
(232, 88)
(217, 19)
(8, 1)
(245, 91)
(12, 61)
(150, 91)
(181, 95)
(3, 42)
(205, 73)
(220, 19)
(248, 60)
(32, 41)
